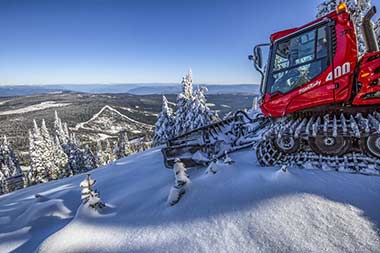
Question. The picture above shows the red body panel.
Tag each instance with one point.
(368, 77)
(321, 90)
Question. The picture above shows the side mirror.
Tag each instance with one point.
(258, 59)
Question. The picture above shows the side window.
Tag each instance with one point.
(302, 48)
(322, 42)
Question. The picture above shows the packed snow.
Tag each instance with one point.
(35, 107)
(240, 208)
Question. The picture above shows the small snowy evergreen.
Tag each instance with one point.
(90, 196)
(181, 180)
(212, 168)
(227, 159)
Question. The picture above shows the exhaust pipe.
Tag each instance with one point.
(368, 31)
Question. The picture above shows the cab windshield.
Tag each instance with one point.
(298, 60)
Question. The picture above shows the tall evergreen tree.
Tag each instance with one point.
(109, 157)
(61, 160)
(100, 158)
(59, 130)
(89, 159)
(9, 163)
(164, 124)
(76, 161)
(183, 105)
(48, 153)
(38, 172)
(123, 146)
(200, 114)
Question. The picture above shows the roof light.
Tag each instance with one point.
(342, 7)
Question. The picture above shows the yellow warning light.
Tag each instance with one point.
(365, 74)
(341, 7)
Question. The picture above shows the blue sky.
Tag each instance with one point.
(138, 41)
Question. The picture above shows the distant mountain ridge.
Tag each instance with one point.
(135, 89)
(212, 89)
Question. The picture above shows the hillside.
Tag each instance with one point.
(242, 208)
(17, 113)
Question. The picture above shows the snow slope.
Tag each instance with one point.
(242, 208)
(111, 121)
(32, 108)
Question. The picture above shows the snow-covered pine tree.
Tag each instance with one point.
(164, 124)
(200, 114)
(100, 157)
(377, 30)
(66, 130)
(326, 7)
(181, 180)
(38, 172)
(122, 148)
(115, 150)
(61, 159)
(212, 167)
(183, 105)
(76, 161)
(48, 150)
(90, 196)
(227, 159)
(108, 153)
(358, 9)
(111, 150)
(59, 130)
(89, 159)
(9, 159)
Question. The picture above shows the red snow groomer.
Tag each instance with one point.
(319, 97)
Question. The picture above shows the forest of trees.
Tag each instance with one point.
(57, 153)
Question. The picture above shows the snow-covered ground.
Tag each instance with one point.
(242, 208)
(36, 107)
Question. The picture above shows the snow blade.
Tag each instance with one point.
(198, 147)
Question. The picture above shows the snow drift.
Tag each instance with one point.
(241, 208)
